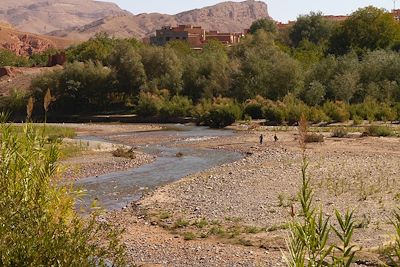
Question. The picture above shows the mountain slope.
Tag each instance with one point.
(42, 16)
(225, 17)
(23, 43)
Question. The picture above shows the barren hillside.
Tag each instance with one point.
(225, 17)
(42, 16)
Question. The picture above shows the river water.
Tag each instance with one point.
(115, 190)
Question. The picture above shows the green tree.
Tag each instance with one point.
(314, 93)
(128, 69)
(265, 24)
(264, 69)
(97, 48)
(163, 68)
(368, 28)
(312, 27)
(208, 73)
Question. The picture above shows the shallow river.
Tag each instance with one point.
(116, 190)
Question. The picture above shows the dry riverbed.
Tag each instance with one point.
(237, 214)
(248, 203)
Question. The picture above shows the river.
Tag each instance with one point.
(116, 190)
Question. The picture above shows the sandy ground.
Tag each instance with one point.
(237, 214)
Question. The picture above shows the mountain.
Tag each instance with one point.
(224, 17)
(23, 43)
(42, 16)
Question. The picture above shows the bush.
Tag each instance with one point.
(317, 115)
(38, 222)
(177, 106)
(15, 103)
(221, 117)
(386, 113)
(375, 130)
(337, 112)
(314, 138)
(340, 132)
(274, 113)
(149, 105)
(254, 110)
(8, 58)
(219, 113)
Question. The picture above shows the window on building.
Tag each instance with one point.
(177, 38)
(167, 39)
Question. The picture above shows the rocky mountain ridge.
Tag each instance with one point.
(224, 17)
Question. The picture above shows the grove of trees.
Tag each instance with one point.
(328, 70)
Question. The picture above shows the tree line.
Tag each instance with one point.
(314, 65)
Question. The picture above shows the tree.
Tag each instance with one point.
(314, 93)
(345, 85)
(208, 73)
(265, 24)
(163, 68)
(368, 28)
(128, 68)
(264, 69)
(97, 48)
(312, 27)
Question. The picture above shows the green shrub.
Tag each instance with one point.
(8, 58)
(317, 115)
(375, 130)
(219, 113)
(254, 110)
(340, 132)
(15, 103)
(357, 120)
(386, 113)
(274, 113)
(149, 105)
(220, 117)
(177, 106)
(337, 112)
(189, 236)
(294, 109)
(38, 222)
(314, 138)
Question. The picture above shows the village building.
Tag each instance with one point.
(196, 36)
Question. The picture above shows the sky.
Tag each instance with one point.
(280, 10)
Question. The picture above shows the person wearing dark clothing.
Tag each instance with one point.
(275, 138)
(261, 139)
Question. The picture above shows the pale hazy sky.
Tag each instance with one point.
(281, 10)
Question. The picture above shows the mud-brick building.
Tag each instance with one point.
(196, 36)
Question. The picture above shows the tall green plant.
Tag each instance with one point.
(308, 243)
(38, 224)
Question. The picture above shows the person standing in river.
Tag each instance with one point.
(261, 139)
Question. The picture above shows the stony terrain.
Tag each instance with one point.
(249, 202)
(237, 214)
(96, 164)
